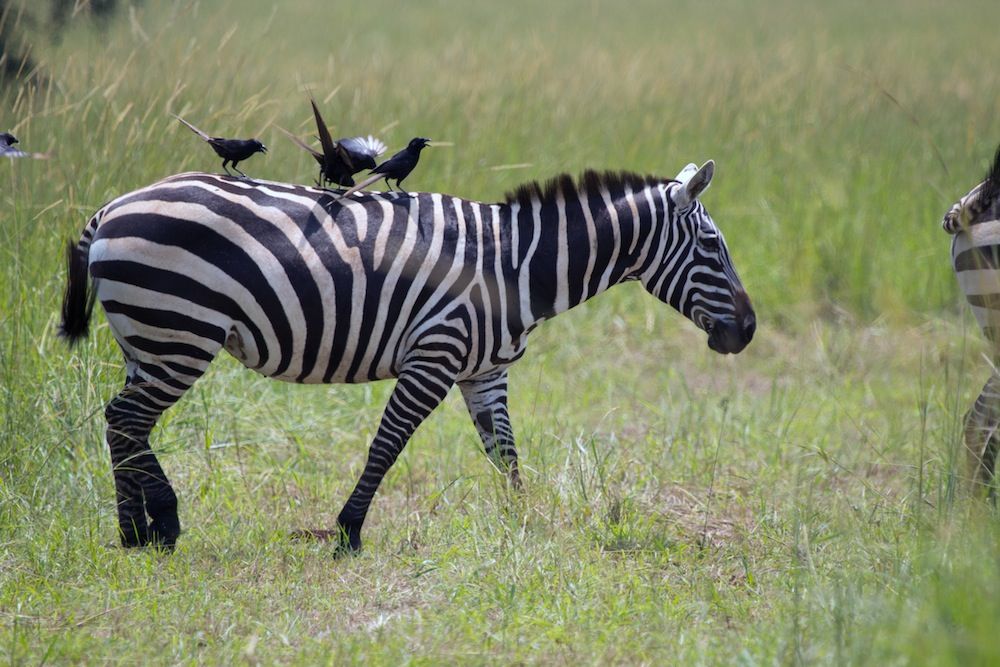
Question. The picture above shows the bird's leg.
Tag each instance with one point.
(225, 168)
(237, 170)
(399, 184)
(388, 185)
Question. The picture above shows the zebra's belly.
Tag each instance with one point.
(474, 347)
(342, 366)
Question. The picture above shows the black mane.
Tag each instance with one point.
(991, 184)
(588, 181)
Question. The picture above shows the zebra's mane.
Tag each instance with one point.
(991, 185)
(589, 181)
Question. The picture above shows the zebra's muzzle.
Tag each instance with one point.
(728, 336)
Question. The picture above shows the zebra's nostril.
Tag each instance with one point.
(749, 327)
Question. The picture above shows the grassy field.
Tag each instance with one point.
(799, 503)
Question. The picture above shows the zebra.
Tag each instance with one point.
(974, 223)
(426, 288)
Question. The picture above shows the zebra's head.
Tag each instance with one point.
(692, 270)
(979, 204)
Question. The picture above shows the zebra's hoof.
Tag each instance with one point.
(344, 550)
(156, 542)
(133, 534)
(350, 539)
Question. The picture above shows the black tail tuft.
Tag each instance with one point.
(78, 299)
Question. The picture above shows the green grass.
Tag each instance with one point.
(795, 504)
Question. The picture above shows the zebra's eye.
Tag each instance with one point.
(710, 243)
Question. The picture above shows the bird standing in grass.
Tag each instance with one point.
(7, 141)
(340, 159)
(230, 150)
(397, 167)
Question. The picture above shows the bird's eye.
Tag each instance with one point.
(710, 243)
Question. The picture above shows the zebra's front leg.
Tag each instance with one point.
(486, 399)
(982, 441)
(419, 389)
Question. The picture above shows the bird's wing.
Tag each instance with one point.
(7, 151)
(192, 128)
(345, 157)
(14, 153)
(301, 144)
(368, 146)
(325, 140)
(363, 184)
(392, 163)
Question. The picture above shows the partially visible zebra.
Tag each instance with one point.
(432, 290)
(975, 251)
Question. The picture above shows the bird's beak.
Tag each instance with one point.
(263, 148)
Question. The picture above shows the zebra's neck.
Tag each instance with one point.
(574, 246)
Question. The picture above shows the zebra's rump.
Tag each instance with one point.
(296, 285)
(975, 256)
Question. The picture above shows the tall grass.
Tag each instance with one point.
(795, 504)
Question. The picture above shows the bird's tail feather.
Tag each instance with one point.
(301, 144)
(192, 127)
(363, 184)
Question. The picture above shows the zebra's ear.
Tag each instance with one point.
(692, 183)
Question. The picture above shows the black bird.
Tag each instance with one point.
(340, 159)
(397, 167)
(7, 141)
(230, 150)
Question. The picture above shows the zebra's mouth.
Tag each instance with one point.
(726, 336)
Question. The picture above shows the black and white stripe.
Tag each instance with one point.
(974, 222)
(433, 290)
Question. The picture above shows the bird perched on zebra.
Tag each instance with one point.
(232, 151)
(396, 168)
(974, 222)
(304, 287)
(7, 141)
(340, 159)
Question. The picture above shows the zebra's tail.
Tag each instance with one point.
(78, 299)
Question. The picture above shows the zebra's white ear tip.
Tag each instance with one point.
(689, 170)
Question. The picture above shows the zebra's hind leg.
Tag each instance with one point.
(420, 388)
(141, 487)
(982, 440)
(486, 399)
